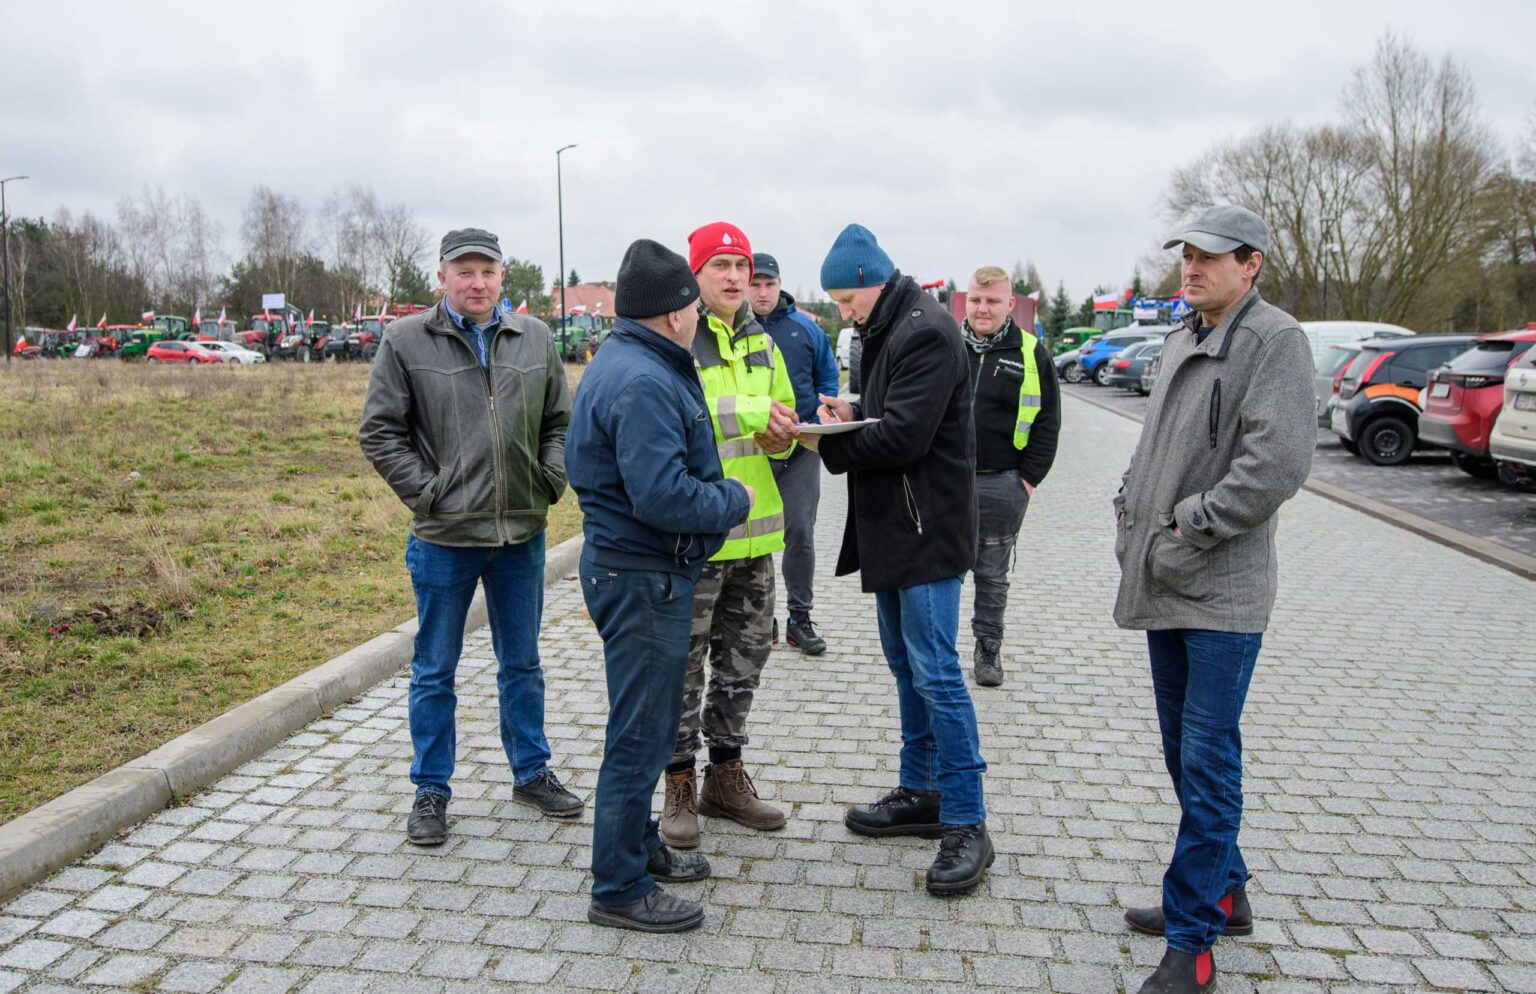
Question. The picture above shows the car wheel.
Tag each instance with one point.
(1477, 467)
(150, 359)
(1073, 373)
(1101, 375)
(1348, 445)
(304, 355)
(1387, 441)
(1513, 474)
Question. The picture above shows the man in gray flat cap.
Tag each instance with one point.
(1228, 438)
(465, 420)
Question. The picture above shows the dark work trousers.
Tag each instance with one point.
(644, 619)
(799, 481)
(1002, 501)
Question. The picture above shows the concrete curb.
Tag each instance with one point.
(1518, 563)
(55, 834)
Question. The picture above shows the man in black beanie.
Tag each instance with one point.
(641, 458)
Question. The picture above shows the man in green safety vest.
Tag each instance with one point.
(1017, 413)
(751, 404)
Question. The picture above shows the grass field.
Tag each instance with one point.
(173, 542)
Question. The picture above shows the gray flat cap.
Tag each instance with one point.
(469, 241)
(1221, 229)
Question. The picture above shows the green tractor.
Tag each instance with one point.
(139, 342)
(173, 326)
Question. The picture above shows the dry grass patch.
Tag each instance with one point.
(173, 542)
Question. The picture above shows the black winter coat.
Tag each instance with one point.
(912, 477)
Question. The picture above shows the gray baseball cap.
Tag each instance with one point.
(1221, 229)
(764, 264)
(469, 241)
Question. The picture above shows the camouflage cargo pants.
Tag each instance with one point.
(733, 626)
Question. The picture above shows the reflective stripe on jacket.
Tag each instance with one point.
(742, 373)
(1029, 396)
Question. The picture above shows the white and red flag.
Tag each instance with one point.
(523, 307)
(197, 317)
(221, 317)
(147, 316)
(103, 322)
(71, 326)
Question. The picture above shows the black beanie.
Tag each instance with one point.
(653, 280)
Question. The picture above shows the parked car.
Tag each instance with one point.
(1376, 414)
(233, 352)
(1323, 335)
(1094, 358)
(1126, 368)
(186, 352)
(1328, 371)
(1466, 395)
(850, 355)
(1067, 368)
(1512, 443)
(1149, 375)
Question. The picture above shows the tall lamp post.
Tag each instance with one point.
(1328, 223)
(5, 237)
(565, 331)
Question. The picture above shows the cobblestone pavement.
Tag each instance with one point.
(1427, 484)
(1391, 793)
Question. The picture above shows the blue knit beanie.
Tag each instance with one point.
(856, 260)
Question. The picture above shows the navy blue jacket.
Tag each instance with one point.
(807, 355)
(640, 454)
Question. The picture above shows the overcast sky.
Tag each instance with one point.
(961, 133)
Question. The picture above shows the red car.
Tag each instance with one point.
(1464, 397)
(189, 352)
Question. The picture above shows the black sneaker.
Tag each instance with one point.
(963, 858)
(546, 793)
(428, 823)
(800, 634)
(988, 669)
(901, 812)
(657, 911)
(676, 867)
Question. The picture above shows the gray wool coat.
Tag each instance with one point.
(1228, 438)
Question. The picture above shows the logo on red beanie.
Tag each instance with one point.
(719, 238)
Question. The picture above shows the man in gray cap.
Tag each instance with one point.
(1228, 438)
(465, 420)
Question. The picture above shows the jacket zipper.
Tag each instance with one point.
(912, 509)
(496, 459)
(1215, 411)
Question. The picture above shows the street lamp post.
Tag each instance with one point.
(1328, 223)
(5, 251)
(565, 331)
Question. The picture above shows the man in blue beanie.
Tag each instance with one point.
(911, 534)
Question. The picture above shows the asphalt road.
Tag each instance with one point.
(1426, 485)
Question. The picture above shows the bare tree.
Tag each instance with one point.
(403, 241)
(172, 245)
(273, 229)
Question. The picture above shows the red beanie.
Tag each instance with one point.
(720, 238)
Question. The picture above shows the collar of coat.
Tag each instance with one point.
(743, 324)
(440, 321)
(1219, 342)
(886, 307)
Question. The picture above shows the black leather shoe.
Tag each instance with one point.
(657, 911)
(428, 823)
(676, 867)
(1149, 921)
(1182, 973)
(802, 635)
(549, 795)
(901, 812)
(963, 858)
(989, 668)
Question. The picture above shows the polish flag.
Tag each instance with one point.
(582, 308)
(71, 326)
(21, 343)
(197, 317)
(311, 316)
(523, 307)
(357, 312)
(221, 317)
(103, 322)
(383, 310)
(1106, 301)
(147, 316)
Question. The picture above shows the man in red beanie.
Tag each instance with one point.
(751, 405)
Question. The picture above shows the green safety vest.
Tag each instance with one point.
(741, 378)
(1029, 395)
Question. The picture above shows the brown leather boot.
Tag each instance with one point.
(728, 793)
(680, 813)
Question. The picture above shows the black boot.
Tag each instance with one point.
(1182, 973)
(428, 823)
(676, 867)
(657, 911)
(1239, 916)
(901, 812)
(963, 858)
(800, 634)
(988, 669)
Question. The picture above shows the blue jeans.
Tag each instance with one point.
(444, 578)
(940, 749)
(645, 620)
(1201, 679)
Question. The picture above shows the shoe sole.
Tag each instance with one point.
(961, 886)
(807, 652)
(1235, 931)
(541, 809)
(709, 810)
(597, 917)
(663, 878)
(933, 831)
(427, 840)
(676, 843)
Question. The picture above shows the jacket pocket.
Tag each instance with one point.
(1178, 568)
